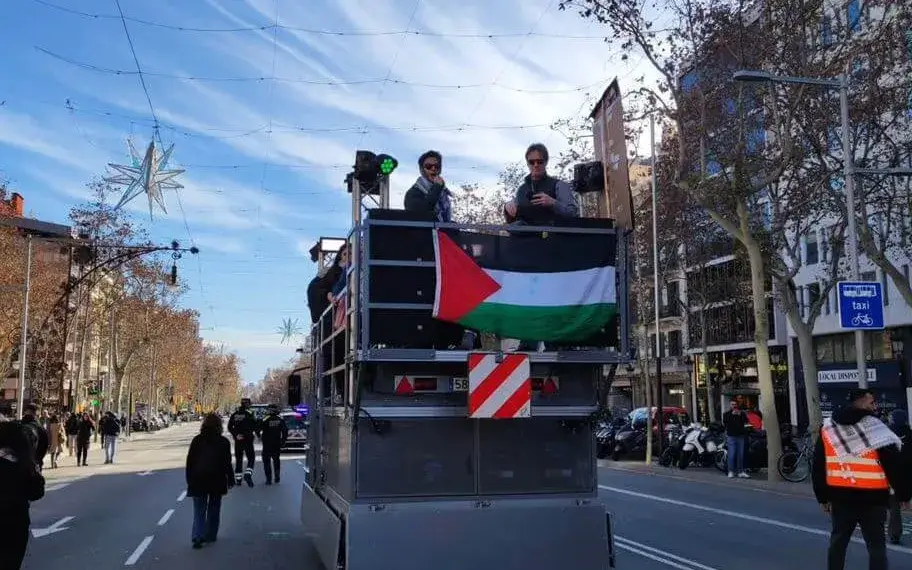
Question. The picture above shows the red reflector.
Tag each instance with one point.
(426, 384)
(404, 387)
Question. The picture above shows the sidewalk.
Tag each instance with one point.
(127, 457)
(711, 476)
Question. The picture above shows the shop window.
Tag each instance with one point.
(824, 350)
(848, 348)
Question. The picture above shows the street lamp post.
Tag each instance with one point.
(23, 338)
(849, 171)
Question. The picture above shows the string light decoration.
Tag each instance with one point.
(148, 174)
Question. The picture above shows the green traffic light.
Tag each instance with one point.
(387, 166)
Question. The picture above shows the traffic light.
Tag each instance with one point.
(369, 167)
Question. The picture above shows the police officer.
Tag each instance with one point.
(274, 433)
(243, 427)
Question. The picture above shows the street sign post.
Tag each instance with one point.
(860, 305)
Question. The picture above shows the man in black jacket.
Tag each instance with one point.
(35, 433)
(541, 199)
(736, 426)
(429, 193)
(857, 460)
(273, 432)
(243, 426)
(109, 427)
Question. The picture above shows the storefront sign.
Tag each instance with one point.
(842, 376)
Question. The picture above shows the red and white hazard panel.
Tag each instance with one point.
(499, 390)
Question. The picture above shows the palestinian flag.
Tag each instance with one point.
(561, 287)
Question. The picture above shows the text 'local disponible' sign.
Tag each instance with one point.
(838, 376)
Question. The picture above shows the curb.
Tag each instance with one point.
(802, 490)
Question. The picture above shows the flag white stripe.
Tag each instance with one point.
(478, 374)
(584, 287)
(503, 392)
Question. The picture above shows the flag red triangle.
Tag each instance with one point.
(461, 284)
(404, 387)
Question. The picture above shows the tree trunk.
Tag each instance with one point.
(764, 375)
(710, 396)
(809, 366)
(647, 380)
(80, 366)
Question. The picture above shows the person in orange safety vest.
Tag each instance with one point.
(857, 462)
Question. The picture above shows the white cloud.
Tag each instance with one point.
(26, 133)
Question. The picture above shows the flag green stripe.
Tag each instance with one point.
(566, 323)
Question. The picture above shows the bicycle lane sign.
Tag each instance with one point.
(860, 305)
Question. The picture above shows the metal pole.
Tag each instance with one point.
(23, 340)
(659, 441)
(848, 161)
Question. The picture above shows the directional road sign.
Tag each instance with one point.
(860, 305)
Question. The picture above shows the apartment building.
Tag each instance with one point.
(887, 352)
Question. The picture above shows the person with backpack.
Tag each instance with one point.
(21, 483)
(209, 476)
(35, 433)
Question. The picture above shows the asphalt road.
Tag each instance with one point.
(663, 522)
(135, 514)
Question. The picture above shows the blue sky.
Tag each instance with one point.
(265, 158)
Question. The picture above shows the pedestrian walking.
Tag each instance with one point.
(35, 433)
(209, 476)
(20, 484)
(110, 430)
(71, 427)
(857, 460)
(899, 423)
(736, 425)
(55, 439)
(83, 437)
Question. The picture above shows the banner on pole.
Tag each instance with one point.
(610, 145)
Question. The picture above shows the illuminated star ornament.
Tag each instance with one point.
(149, 175)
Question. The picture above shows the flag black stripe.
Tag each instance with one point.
(533, 253)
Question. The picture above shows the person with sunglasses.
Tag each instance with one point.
(541, 199)
(429, 193)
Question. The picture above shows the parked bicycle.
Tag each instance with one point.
(795, 466)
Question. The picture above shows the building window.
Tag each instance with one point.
(906, 272)
(813, 295)
(799, 294)
(853, 16)
(827, 308)
(869, 276)
(673, 343)
(824, 350)
(826, 32)
(811, 252)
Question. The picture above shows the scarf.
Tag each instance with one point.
(867, 435)
(443, 207)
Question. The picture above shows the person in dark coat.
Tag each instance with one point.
(899, 423)
(83, 436)
(20, 484)
(209, 476)
(429, 194)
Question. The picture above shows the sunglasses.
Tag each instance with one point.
(535, 162)
(431, 166)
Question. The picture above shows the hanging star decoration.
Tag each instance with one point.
(148, 174)
(289, 329)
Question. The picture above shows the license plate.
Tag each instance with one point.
(459, 384)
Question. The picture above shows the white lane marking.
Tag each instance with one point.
(145, 473)
(56, 487)
(56, 527)
(165, 517)
(134, 558)
(742, 516)
(659, 555)
(182, 496)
